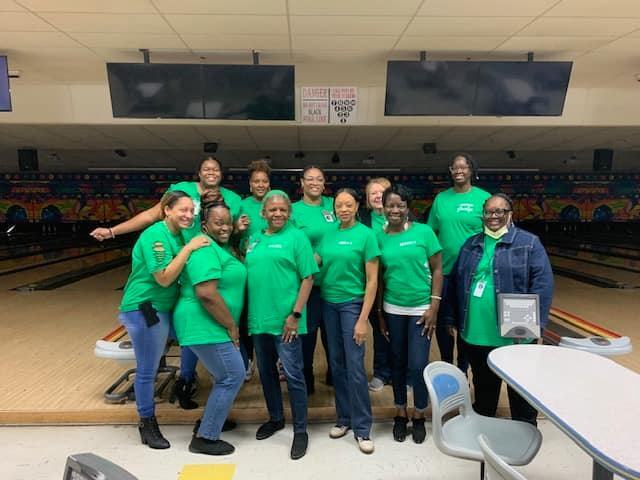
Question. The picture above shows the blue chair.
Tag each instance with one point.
(515, 442)
(495, 467)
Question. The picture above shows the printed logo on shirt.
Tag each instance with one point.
(159, 252)
(408, 243)
(275, 245)
(345, 242)
(196, 208)
(465, 207)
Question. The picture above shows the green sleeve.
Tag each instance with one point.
(433, 245)
(156, 251)
(433, 221)
(204, 265)
(371, 248)
(183, 186)
(305, 261)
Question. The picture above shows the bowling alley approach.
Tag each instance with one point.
(377, 240)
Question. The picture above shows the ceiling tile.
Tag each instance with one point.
(596, 8)
(85, 6)
(23, 22)
(10, 6)
(350, 25)
(468, 44)
(627, 45)
(108, 23)
(236, 42)
(19, 40)
(237, 24)
(336, 42)
(178, 136)
(485, 8)
(533, 44)
(585, 27)
(353, 7)
(223, 7)
(469, 26)
(128, 40)
(132, 136)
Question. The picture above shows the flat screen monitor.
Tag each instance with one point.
(522, 88)
(154, 90)
(249, 92)
(430, 88)
(5, 92)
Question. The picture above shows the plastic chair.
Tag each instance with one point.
(515, 442)
(495, 467)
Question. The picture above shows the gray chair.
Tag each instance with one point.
(515, 442)
(496, 468)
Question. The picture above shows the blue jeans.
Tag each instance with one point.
(268, 349)
(381, 351)
(314, 323)
(224, 362)
(188, 362)
(446, 315)
(149, 344)
(353, 405)
(409, 357)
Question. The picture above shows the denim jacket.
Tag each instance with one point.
(520, 265)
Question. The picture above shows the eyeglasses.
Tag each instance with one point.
(498, 213)
(458, 169)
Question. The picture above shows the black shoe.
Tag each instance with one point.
(210, 447)
(227, 426)
(418, 432)
(184, 392)
(299, 445)
(400, 428)
(269, 428)
(151, 435)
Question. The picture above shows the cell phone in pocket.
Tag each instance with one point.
(150, 314)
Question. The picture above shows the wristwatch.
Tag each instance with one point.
(296, 315)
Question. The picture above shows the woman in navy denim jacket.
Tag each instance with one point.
(502, 259)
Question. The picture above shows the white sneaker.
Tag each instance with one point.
(365, 444)
(376, 384)
(339, 431)
(250, 369)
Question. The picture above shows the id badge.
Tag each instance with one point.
(328, 216)
(478, 291)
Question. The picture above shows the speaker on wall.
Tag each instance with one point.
(28, 160)
(602, 160)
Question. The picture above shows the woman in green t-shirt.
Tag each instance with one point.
(149, 296)
(412, 286)
(349, 259)
(259, 185)
(206, 320)
(313, 215)
(281, 266)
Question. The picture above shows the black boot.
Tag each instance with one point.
(184, 391)
(151, 435)
(400, 428)
(227, 426)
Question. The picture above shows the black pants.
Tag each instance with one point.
(487, 386)
(445, 341)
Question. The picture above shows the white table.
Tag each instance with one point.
(592, 399)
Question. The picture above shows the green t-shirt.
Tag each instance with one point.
(378, 221)
(314, 220)
(193, 324)
(252, 208)
(481, 325)
(152, 253)
(276, 265)
(455, 217)
(405, 260)
(344, 254)
(232, 199)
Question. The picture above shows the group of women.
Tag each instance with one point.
(296, 269)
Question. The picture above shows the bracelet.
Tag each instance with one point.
(436, 297)
(113, 235)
